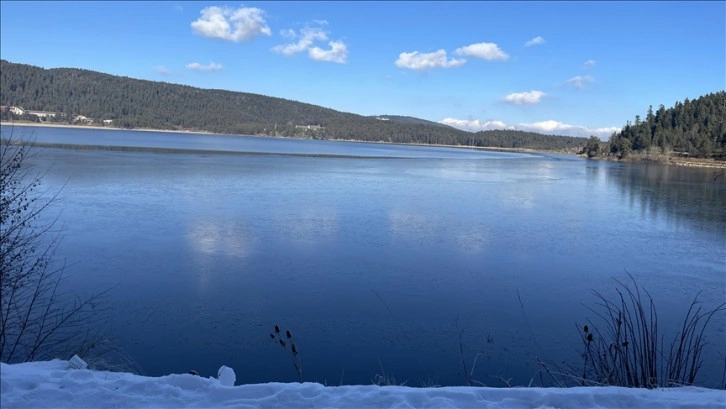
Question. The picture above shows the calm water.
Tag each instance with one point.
(377, 261)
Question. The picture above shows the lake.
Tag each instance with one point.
(379, 258)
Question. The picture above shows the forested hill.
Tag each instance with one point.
(132, 103)
(692, 128)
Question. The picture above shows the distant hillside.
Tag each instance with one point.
(510, 139)
(132, 103)
(689, 128)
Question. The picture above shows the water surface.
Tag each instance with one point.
(385, 260)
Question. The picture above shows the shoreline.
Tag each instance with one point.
(667, 161)
(95, 127)
(663, 160)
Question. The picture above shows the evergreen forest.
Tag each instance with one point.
(132, 103)
(693, 128)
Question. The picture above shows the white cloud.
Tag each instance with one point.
(525, 98)
(545, 127)
(535, 41)
(580, 81)
(212, 66)
(306, 38)
(423, 61)
(474, 125)
(589, 64)
(338, 53)
(550, 127)
(242, 24)
(162, 70)
(560, 128)
(288, 33)
(485, 51)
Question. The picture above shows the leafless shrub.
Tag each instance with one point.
(38, 319)
(627, 349)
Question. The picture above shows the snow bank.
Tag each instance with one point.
(52, 384)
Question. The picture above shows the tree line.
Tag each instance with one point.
(692, 128)
(132, 103)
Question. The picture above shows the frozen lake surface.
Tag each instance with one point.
(376, 256)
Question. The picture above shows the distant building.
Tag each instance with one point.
(17, 110)
(82, 119)
(107, 121)
(41, 114)
(4, 108)
(309, 127)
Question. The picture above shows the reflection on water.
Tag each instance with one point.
(472, 239)
(221, 238)
(408, 225)
(308, 224)
(378, 260)
(674, 193)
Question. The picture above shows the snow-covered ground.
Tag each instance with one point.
(53, 384)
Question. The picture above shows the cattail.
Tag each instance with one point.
(586, 329)
(589, 337)
(272, 335)
(294, 349)
(625, 344)
(282, 343)
(277, 329)
(289, 334)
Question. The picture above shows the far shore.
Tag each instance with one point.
(57, 125)
(106, 128)
(665, 160)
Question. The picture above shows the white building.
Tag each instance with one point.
(17, 110)
(41, 114)
(309, 127)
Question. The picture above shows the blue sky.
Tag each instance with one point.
(573, 68)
